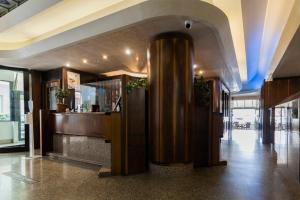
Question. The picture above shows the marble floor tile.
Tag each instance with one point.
(252, 173)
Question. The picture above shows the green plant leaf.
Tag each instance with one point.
(61, 94)
(201, 86)
(137, 83)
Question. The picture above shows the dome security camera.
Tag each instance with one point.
(188, 24)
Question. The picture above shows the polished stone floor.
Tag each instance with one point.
(252, 173)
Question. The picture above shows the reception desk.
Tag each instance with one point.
(117, 140)
(93, 138)
(91, 124)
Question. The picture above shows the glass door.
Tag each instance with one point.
(12, 110)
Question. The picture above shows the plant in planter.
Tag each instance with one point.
(200, 123)
(137, 83)
(202, 91)
(136, 113)
(60, 95)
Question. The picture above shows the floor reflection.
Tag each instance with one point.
(287, 149)
(252, 173)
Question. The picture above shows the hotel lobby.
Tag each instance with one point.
(149, 99)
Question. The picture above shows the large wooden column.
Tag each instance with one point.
(170, 88)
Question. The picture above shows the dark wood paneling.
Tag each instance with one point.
(272, 94)
(46, 131)
(280, 91)
(170, 89)
(26, 108)
(200, 136)
(50, 75)
(207, 129)
(294, 86)
(116, 144)
(36, 85)
(136, 131)
(84, 124)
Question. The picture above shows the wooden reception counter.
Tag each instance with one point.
(93, 138)
(116, 140)
(92, 124)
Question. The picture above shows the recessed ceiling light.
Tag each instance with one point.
(137, 58)
(68, 64)
(201, 72)
(84, 61)
(104, 57)
(195, 66)
(128, 51)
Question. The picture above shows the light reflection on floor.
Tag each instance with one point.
(287, 153)
(252, 173)
(244, 140)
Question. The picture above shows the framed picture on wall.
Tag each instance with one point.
(73, 80)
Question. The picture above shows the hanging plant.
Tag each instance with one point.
(137, 83)
(202, 89)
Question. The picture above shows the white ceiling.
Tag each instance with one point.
(208, 55)
(289, 65)
(134, 27)
(237, 40)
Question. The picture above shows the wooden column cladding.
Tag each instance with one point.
(170, 87)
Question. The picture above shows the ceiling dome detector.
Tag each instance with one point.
(188, 24)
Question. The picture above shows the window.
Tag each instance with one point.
(1, 103)
(246, 103)
(4, 101)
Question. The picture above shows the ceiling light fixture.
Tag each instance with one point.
(68, 65)
(195, 66)
(84, 61)
(104, 57)
(201, 72)
(127, 51)
(137, 58)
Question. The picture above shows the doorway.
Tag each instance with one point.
(13, 99)
(245, 122)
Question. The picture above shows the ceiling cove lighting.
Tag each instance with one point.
(128, 51)
(122, 72)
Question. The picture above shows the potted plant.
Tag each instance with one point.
(136, 84)
(202, 91)
(60, 95)
(200, 122)
(136, 124)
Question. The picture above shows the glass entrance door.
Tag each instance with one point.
(12, 110)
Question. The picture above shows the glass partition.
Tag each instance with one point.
(99, 96)
(286, 139)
